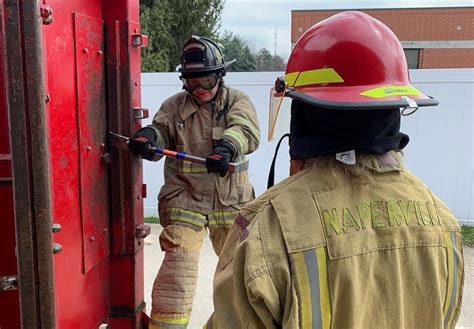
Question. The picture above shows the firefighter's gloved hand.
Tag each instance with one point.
(219, 159)
(141, 143)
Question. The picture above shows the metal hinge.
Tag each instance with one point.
(142, 231)
(8, 282)
(139, 40)
(46, 13)
(140, 113)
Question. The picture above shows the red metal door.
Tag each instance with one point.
(74, 58)
(86, 84)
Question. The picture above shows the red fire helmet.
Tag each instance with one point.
(350, 61)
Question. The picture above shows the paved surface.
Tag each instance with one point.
(202, 308)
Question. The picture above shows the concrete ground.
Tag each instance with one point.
(202, 308)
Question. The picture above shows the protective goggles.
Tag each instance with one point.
(207, 82)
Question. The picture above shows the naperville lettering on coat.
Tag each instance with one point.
(380, 214)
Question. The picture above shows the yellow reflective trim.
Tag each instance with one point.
(186, 216)
(455, 277)
(160, 322)
(221, 222)
(228, 212)
(189, 212)
(323, 288)
(303, 289)
(171, 320)
(311, 77)
(290, 78)
(222, 217)
(387, 91)
(185, 167)
(246, 124)
(238, 138)
(449, 251)
(187, 220)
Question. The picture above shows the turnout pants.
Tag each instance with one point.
(175, 284)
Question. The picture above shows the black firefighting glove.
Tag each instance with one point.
(221, 156)
(141, 143)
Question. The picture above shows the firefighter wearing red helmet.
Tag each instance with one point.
(209, 120)
(351, 239)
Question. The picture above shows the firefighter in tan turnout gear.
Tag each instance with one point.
(209, 120)
(351, 239)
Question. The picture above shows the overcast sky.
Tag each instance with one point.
(255, 21)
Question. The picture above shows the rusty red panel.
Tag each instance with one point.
(9, 300)
(89, 45)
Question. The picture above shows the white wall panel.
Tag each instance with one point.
(440, 151)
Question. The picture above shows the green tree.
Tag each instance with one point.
(169, 23)
(268, 62)
(235, 47)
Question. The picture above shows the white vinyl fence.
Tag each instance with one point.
(441, 145)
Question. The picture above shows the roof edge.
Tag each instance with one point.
(381, 8)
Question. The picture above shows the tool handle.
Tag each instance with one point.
(187, 157)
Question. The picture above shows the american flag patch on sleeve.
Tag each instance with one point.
(242, 223)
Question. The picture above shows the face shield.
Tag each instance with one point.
(279, 112)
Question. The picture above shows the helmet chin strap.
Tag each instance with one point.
(271, 174)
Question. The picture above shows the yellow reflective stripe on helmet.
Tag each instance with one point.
(387, 91)
(312, 288)
(455, 277)
(311, 77)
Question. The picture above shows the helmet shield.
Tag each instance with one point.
(278, 115)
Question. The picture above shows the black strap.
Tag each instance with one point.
(271, 174)
(226, 107)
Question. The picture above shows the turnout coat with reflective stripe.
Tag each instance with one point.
(321, 250)
(183, 125)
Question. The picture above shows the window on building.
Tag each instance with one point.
(413, 58)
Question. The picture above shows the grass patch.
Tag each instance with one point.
(468, 235)
(152, 220)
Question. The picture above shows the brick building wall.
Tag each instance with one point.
(443, 36)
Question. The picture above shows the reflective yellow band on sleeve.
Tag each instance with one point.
(388, 91)
(312, 288)
(237, 137)
(323, 288)
(244, 123)
(311, 77)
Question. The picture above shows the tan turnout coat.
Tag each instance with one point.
(325, 251)
(183, 125)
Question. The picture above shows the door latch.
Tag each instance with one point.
(8, 282)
